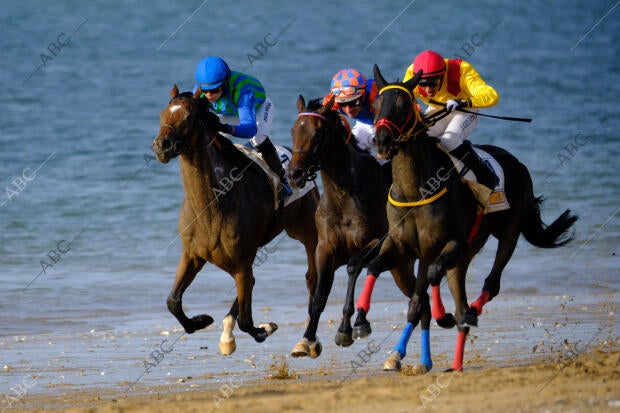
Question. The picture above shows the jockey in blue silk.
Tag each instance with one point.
(355, 98)
(243, 107)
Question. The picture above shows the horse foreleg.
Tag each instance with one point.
(187, 269)
(448, 258)
(228, 344)
(419, 310)
(344, 336)
(244, 281)
(309, 344)
(383, 262)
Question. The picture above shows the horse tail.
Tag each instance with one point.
(537, 233)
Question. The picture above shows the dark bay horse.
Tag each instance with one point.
(351, 217)
(443, 229)
(228, 213)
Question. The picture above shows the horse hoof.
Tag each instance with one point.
(362, 331)
(269, 328)
(198, 323)
(393, 362)
(419, 369)
(448, 321)
(343, 339)
(301, 349)
(470, 318)
(316, 349)
(227, 348)
(453, 370)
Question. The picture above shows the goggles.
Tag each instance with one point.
(347, 90)
(430, 81)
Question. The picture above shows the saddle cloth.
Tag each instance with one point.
(274, 180)
(494, 200)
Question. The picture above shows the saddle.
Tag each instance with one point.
(274, 180)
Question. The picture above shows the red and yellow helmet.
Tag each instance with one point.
(348, 85)
(431, 63)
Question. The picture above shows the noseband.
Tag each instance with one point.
(403, 132)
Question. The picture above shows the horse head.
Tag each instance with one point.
(179, 125)
(396, 114)
(313, 139)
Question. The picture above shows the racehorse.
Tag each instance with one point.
(444, 228)
(228, 213)
(351, 217)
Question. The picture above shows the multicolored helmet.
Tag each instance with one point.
(211, 73)
(431, 63)
(348, 85)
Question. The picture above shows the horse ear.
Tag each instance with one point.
(330, 104)
(379, 77)
(197, 93)
(174, 92)
(413, 82)
(301, 104)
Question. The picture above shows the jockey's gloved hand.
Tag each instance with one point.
(222, 127)
(453, 105)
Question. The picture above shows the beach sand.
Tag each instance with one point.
(576, 382)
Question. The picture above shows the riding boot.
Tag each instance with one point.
(270, 155)
(483, 171)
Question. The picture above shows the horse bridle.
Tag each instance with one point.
(180, 146)
(315, 164)
(404, 131)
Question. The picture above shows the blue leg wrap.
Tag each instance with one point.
(401, 347)
(425, 349)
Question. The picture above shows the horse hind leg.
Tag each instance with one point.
(456, 281)
(245, 282)
(186, 272)
(227, 344)
(507, 242)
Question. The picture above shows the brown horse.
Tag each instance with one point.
(443, 229)
(227, 214)
(351, 217)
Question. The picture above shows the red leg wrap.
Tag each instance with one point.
(457, 363)
(364, 300)
(438, 310)
(480, 302)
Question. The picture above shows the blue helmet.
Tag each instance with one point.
(211, 73)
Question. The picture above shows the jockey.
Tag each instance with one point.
(455, 83)
(243, 107)
(355, 98)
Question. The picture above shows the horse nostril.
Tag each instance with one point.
(165, 145)
(296, 174)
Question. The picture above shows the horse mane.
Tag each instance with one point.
(334, 116)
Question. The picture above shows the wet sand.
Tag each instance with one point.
(586, 382)
(530, 354)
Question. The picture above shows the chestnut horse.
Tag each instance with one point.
(445, 229)
(228, 213)
(351, 218)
